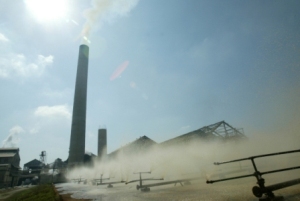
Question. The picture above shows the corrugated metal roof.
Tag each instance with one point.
(219, 130)
(2, 155)
(34, 162)
(139, 144)
(9, 149)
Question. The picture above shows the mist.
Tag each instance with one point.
(196, 159)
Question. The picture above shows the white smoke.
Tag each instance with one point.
(13, 138)
(106, 10)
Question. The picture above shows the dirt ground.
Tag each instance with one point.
(6, 193)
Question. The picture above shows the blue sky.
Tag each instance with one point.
(191, 63)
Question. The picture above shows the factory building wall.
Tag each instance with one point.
(9, 167)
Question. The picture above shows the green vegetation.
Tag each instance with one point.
(38, 193)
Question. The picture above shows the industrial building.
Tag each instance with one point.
(33, 166)
(221, 131)
(9, 167)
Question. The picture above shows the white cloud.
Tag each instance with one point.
(13, 138)
(3, 38)
(53, 111)
(18, 65)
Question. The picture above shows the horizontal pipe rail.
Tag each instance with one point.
(168, 182)
(280, 170)
(258, 156)
(115, 182)
(142, 173)
(143, 180)
(254, 174)
(231, 178)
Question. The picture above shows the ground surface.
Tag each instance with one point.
(234, 190)
(68, 196)
(7, 192)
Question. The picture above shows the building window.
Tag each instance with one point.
(5, 160)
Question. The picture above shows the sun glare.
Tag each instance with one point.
(47, 9)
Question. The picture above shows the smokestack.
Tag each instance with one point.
(77, 141)
(102, 143)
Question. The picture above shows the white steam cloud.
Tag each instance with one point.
(53, 111)
(13, 138)
(106, 10)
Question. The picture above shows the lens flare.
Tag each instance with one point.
(119, 70)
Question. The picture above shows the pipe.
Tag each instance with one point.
(168, 182)
(258, 156)
(258, 192)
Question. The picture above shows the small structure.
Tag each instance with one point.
(31, 172)
(54, 172)
(33, 166)
(43, 157)
(9, 167)
(141, 145)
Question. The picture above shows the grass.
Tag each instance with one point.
(43, 192)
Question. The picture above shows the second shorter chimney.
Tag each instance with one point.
(102, 143)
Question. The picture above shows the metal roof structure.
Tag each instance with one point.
(220, 130)
(34, 164)
(9, 150)
(7, 153)
(139, 145)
